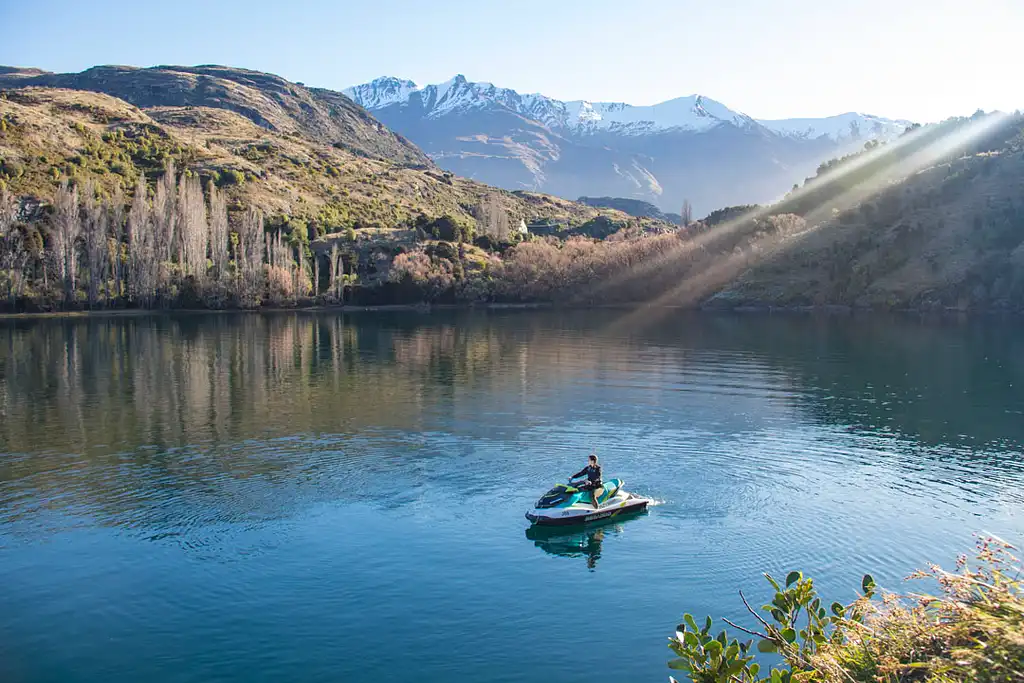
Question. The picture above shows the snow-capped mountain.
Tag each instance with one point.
(691, 113)
(849, 126)
(381, 92)
(690, 147)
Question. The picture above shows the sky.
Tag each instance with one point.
(922, 60)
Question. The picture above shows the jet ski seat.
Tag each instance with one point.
(611, 487)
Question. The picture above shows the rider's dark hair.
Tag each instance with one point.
(593, 457)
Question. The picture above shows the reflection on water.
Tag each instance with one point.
(579, 541)
(319, 497)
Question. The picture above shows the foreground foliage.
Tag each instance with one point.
(972, 631)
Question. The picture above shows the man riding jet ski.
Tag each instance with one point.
(593, 482)
(568, 504)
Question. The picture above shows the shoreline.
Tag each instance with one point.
(824, 310)
(332, 308)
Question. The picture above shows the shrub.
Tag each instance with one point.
(230, 176)
(432, 277)
(485, 242)
(281, 284)
(331, 217)
(973, 631)
(451, 229)
(443, 250)
(11, 169)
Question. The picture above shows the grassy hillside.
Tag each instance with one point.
(51, 134)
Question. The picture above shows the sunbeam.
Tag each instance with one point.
(695, 286)
(721, 230)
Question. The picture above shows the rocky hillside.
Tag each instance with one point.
(268, 101)
(689, 148)
(290, 151)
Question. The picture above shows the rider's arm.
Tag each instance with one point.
(579, 474)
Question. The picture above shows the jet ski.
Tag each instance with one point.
(566, 504)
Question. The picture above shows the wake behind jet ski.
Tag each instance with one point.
(587, 501)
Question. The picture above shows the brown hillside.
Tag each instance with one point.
(950, 236)
(269, 101)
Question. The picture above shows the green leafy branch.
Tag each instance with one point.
(794, 626)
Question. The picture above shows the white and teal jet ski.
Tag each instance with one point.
(566, 504)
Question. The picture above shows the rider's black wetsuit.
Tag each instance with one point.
(593, 473)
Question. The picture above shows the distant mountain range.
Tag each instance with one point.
(687, 148)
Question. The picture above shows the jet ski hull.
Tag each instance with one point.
(617, 506)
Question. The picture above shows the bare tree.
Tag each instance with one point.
(687, 214)
(316, 275)
(283, 281)
(142, 265)
(218, 233)
(492, 218)
(165, 219)
(8, 211)
(115, 243)
(67, 226)
(13, 254)
(339, 280)
(192, 227)
(334, 272)
(301, 275)
(94, 237)
(249, 260)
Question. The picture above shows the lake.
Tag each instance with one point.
(315, 497)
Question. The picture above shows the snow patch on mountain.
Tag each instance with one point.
(693, 113)
(381, 92)
(848, 126)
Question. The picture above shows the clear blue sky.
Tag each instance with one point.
(916, 59)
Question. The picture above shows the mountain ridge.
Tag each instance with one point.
(390, 90)
(692, 149)
(267, 100)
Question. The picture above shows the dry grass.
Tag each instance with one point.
(973, 631)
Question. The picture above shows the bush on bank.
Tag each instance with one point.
(972, 631)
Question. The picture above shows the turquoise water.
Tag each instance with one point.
(310, 497)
